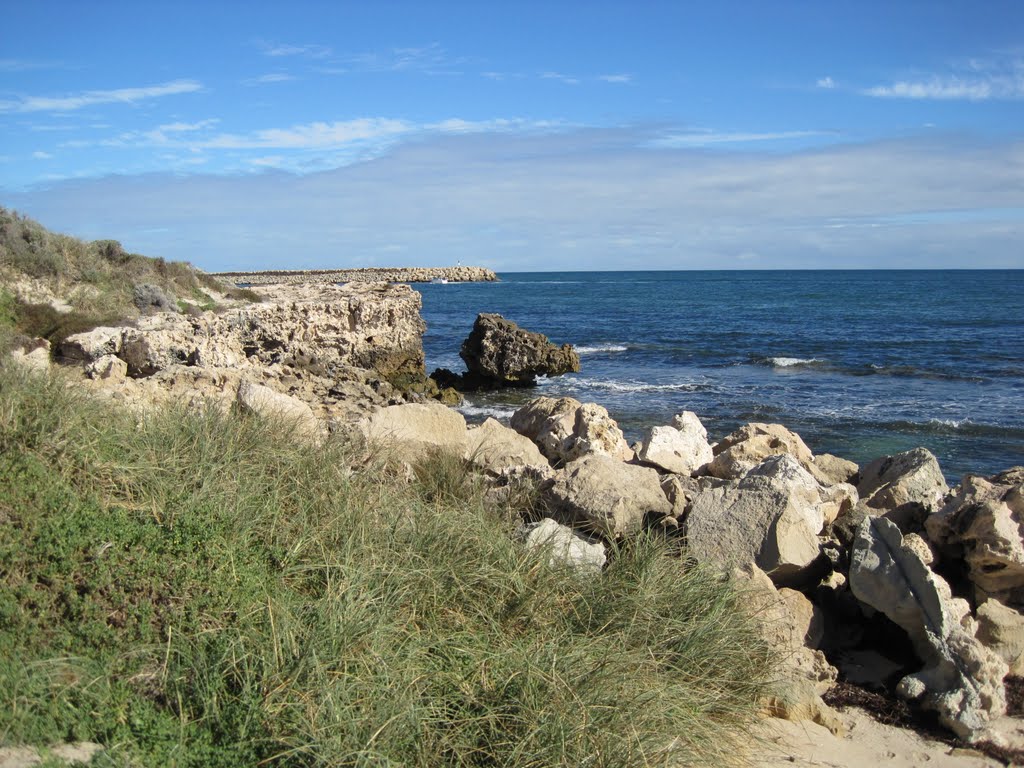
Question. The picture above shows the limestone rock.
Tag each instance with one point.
(771, 517)
(833, 469)
(34, 355)
(1001, 629)
(493, 446)
(792, 626)
(264, 401)
(109, 367)
(909, 479)
(566, 546)
(595, 432)
(415, 428)
(501, 351)
(682, 448)
(565, 429)
(961, 679)
(92, 345)
(751, 444)
(608, 496)
(983, 523)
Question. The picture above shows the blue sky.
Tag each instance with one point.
(522, 136)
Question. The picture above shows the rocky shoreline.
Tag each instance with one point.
(458, 274)
(880, 574)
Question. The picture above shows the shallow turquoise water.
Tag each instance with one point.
(860, 363)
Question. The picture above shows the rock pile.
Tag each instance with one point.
(846, 566)
(458, 274)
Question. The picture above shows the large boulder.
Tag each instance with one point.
(414, 429)
(565, 429)
(771, 517)
(909, 481)
(983, 524)
(607, 496)
(500, 351)
(565, 546)
(681, 448)
(751, 444)
(961, 679)
(493, 446)
(264, 401)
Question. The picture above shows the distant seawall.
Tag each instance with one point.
(369, 274)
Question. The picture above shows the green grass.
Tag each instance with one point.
(199, 589)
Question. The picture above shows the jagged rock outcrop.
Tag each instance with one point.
(565, 429)
(751, 444)
(606, 496)
(961, 679)
(770, 517)
(681, 448)
(364, 326)
(983, 524)
(565, 546)
(499, 352)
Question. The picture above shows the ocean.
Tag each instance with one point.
(859, 363)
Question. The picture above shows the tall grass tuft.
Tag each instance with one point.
(201, 589)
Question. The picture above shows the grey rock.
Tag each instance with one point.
(607, 496)
(565, 546)
(961, 679)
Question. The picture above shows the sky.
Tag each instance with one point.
(522, 135)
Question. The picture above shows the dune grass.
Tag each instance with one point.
(199, 589)
(98, 280)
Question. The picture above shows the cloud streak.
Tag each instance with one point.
(93, 98)
(978, 80)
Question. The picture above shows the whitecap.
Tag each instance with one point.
(789, 362)
(627, 386)
(484, 411)
(591, 350)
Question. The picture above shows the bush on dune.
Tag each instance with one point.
(197, 588)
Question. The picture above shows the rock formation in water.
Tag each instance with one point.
(498, 353)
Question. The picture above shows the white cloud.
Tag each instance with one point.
(567, 79)
(616, 78)
(273, 77)
(40, 155)
(826, 82)
(974, 80)
(92, 98)
(708, 138)
(308, 50)
(318, 135)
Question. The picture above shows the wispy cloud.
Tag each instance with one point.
(430, 59)
(93, 98)
(826, 83)
(972, 80)
(318, 135)
(40, 155)
(621, 78)
(272, 77)
(562, 78)
(307, 50)
(27, 65)
(707, 138)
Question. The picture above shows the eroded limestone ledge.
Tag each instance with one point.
(369, 274)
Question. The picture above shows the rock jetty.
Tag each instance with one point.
(367, 275)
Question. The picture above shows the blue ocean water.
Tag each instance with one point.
(859, 363)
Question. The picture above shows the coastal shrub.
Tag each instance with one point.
(196, 588)
(153, 298)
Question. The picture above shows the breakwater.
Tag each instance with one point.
(458, 274)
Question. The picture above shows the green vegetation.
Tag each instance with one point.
(201, 589)
(99, 281)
